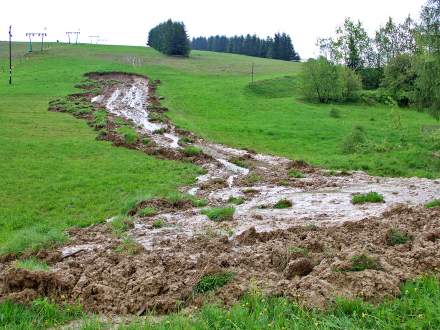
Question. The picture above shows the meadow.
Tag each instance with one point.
(56, 175)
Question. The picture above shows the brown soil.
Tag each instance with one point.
(110, 282)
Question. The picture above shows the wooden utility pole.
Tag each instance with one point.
(10, 54)
(252, 74)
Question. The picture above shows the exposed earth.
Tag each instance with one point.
(310, 250)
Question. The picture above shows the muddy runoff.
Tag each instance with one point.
(318, 247)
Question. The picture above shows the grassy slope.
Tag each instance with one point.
(56, 175)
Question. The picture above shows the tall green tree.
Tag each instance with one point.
(170, 38)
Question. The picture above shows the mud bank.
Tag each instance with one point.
(304, 251)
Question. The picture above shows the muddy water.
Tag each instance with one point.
(322, 200)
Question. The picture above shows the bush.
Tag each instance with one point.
(211, 282)
(354, 141)
(379, 96)
(371, 77)
(327, 82)
(399, 79)
(371, 197)
(220, 214)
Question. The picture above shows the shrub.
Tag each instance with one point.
(427, 84)
(379, 96)
(396, 237)
(220, 214)
(354, 141)
(129, 134)
(326, 82)
(371, 77)
(433, 204)
(296, 174)
(371, 197)
(283, 204)
(334, 113)
(211, 282)
(191, 151)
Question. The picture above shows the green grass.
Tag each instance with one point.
(159, 223)
(236, 200)
(298, 250)
(129, 134)
(219, 214)
(147, 212)
(41, 314)
(296, 174)
(192, 151)
(397, 237)
(56, 175)
(212, 282)
(283, 204)
(418, 307)
(433, 204)
(32, 264)
(371, 197)
(121, 224)
(363, 262)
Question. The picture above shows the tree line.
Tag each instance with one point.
(278, 47)
(401, 60)
(170, 38)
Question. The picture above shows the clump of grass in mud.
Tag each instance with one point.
(159, 223)
(156, 117)
(283, 204)
(239, 162)
(129, 134)
(298, 251)
(185, 140)
(296, 174)
(252, 178)
(397, 237)
(160, 131)
(77, 106)
(129, 246)
(145, 141)
(147, 212)
(236, 200)
(363, 262)
(32, 264)
(191, 151)
(212, 282)
(99, 119)
(433, 204)
(121, 224)
(219, 214)
(92, 86)
(177, 199)
(371, 197)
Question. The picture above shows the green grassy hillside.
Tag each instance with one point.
(56, 175)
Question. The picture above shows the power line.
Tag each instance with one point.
(75, 33)
(30, 35)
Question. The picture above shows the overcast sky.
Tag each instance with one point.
(128, 21)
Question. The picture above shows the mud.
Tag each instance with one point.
(303, 252)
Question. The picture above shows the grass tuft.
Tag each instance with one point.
(363, 262)
(191, 151)
(212, 282)
(296, 174)
(397, 237)
(147, 212)
(121, 224)
(159, 223)
(219, 214)
(236, 200)
(283, 204)
(129, 134)
(32, 264)
(433, 204)
(371, 197)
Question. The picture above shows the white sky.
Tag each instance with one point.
(127, 22)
